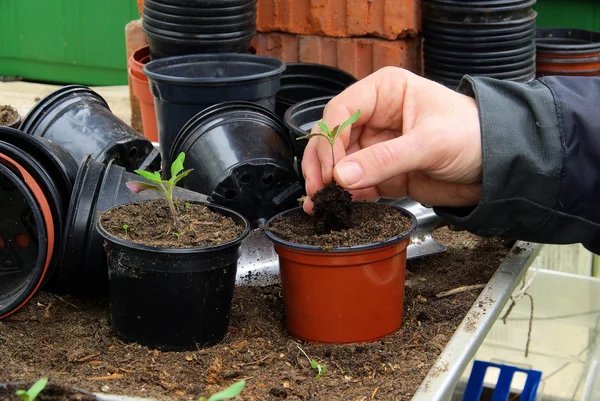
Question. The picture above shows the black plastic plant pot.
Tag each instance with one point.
(98, 187)
(172, 299)
(198, 19)
(25, 239)
(432, 57)
(299, 120)
(468, 30)
(163, 46)
(242, 157)
(481, 54)
(304, 81)
(563, 41)
(184, 86)
(468, 14)
(479, 69)
(207, 28)
(216, 9)
(492, 23)
(79, 119)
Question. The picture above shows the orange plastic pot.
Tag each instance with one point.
(345, 295)
(140, 6)
(141, 90)
(32, 283)
(573, 65)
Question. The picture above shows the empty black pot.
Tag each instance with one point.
(172, 299)
(242, 158)
(98, 187)
(299, 120)
(52, 168)
(24, 250)
(184, 86)
(568, 42)
(79, 120)
(199, 27)
(304, 81)
(486, 38)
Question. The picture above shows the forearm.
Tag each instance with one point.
(541, 161)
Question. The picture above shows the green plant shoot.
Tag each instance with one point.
(332, 134)
(321, 369)
(125, 228)
(34, 390)
(165, 187)
(230, 392)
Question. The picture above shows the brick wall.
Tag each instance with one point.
(358, 36)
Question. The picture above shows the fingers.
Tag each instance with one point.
(383, 161)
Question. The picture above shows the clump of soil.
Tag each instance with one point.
(8, 115)
(151, 223)
(70, 340)
(332, 209)
(51, 392)
(371, 223)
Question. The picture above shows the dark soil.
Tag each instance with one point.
(332, 210)
(8, 115)
(71, 342)
(151, 223)
(371, 223)
(51, 392)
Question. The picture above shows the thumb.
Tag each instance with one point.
(380, 162)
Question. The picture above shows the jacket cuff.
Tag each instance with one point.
(523, 158)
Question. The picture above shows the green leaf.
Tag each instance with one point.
(37, 388)
(230, 392)
(175, 179)
(22, 394)
(324, 127)
(177, 165)
(313, 364)
(349, 121)
(154, 177)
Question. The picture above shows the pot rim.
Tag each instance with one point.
(206, 116)
(313, 248)
(179, 251)
(304, 105)
(46, 213)
(278, 66)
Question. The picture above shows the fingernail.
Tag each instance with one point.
(349, 172)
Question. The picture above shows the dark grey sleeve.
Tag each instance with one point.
(541, 161)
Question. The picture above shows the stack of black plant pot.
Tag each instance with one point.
(180, 27)
(493, 38)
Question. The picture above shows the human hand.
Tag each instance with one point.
(413, 137)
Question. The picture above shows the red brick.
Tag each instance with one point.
(358, 56)
(134, 39)
(389, 19)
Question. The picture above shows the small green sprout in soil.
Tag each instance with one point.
(332, 209)
(125, 228)
(321, 369)
(229, 393)
(34, 390)
(165, 187)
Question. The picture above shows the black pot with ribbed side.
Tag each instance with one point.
(184, 86)
(183, 28)
(172, 299)
(242, 157)
(98, 187)
(304, 81)
(485, 38)
(78, 119)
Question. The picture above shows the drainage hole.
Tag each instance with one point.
(245, 179)
(132, 152)
(230, 194)
(22, 240)
(267, 179)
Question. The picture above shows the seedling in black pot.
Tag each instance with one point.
(34, 390)
(165, 187)
(332, 204)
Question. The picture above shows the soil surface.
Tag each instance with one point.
(371, 223)
(151, 223)
(332, 209)
(51, 392)
(8, 115)
(70, 341)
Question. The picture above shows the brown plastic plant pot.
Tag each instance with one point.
(550, 64)
(567, 56)
(141, 90)
(590, 73)
(20, 296)
(344, 295)
(137, 60)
